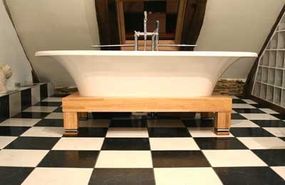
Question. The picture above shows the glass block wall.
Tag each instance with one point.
(269, 83)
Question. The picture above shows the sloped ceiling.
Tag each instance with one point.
(233, 25)
(54, 25)
(238, 25)
(11, 52)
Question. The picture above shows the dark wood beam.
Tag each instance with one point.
(107, 22)
(193, 21)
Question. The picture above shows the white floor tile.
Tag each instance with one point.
(5, 140)
(127, 132)
(249, 101)
(276, 131)
(52, 99)
(185, 176)
(268, 111)
(44, 132)
(258, 116)
(165, 123)
(59, 176)
(232, 158)
(40, 109)
(21, 158)
(173, 144)
(79, 144)
(55, 115)
(280, 170)
(242, 106)
(243, 123)
(20, 122)
(263, 142)
(95, 123)
(205, 132)
(124, 159)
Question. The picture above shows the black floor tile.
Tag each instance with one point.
(92, 132)
(179, 159)
(110, 115)
(238, 101)
(50, 123)
(48, 104)
(249, 176)
(272, 157)
(76, 159)
(248, 110)
(41, 143)
(12, 131)
(198, 122)
(168, 132)
(61, 95)
(237, 116)
(128, 123)
(126, 144)
(122, 177)
(2, 119)
(250, 132)
(13, 175)
(269, 123)
(59, 109)
(279, 116)
(173, 115)
(260, 105)
(219, 143)
(38, 115)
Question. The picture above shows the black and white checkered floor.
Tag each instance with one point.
(120, 151)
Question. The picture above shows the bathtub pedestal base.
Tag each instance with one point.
(76, 106)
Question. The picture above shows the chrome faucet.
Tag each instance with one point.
(154, 39)
(154, 36)
(145, 29)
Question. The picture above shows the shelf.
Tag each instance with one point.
(269, 83)
(275, 49)
(270, 67)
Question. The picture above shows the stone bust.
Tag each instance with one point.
(5, 73)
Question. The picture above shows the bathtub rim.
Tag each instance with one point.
(237, 54)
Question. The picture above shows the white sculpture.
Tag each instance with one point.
(5, 73)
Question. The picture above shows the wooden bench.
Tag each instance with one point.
(75, 106)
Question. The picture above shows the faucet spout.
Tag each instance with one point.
(145, 29)
(154, 36)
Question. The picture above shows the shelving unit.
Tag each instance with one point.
(269, 83)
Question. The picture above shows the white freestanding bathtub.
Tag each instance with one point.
(145, 74)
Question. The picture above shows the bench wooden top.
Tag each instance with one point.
(77, 103)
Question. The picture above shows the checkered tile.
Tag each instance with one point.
(116, 149)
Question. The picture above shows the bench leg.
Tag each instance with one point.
(70, 123)
(222, 123)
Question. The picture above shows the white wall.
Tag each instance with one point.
(11, 51)
(238, 25)
(53, 25)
